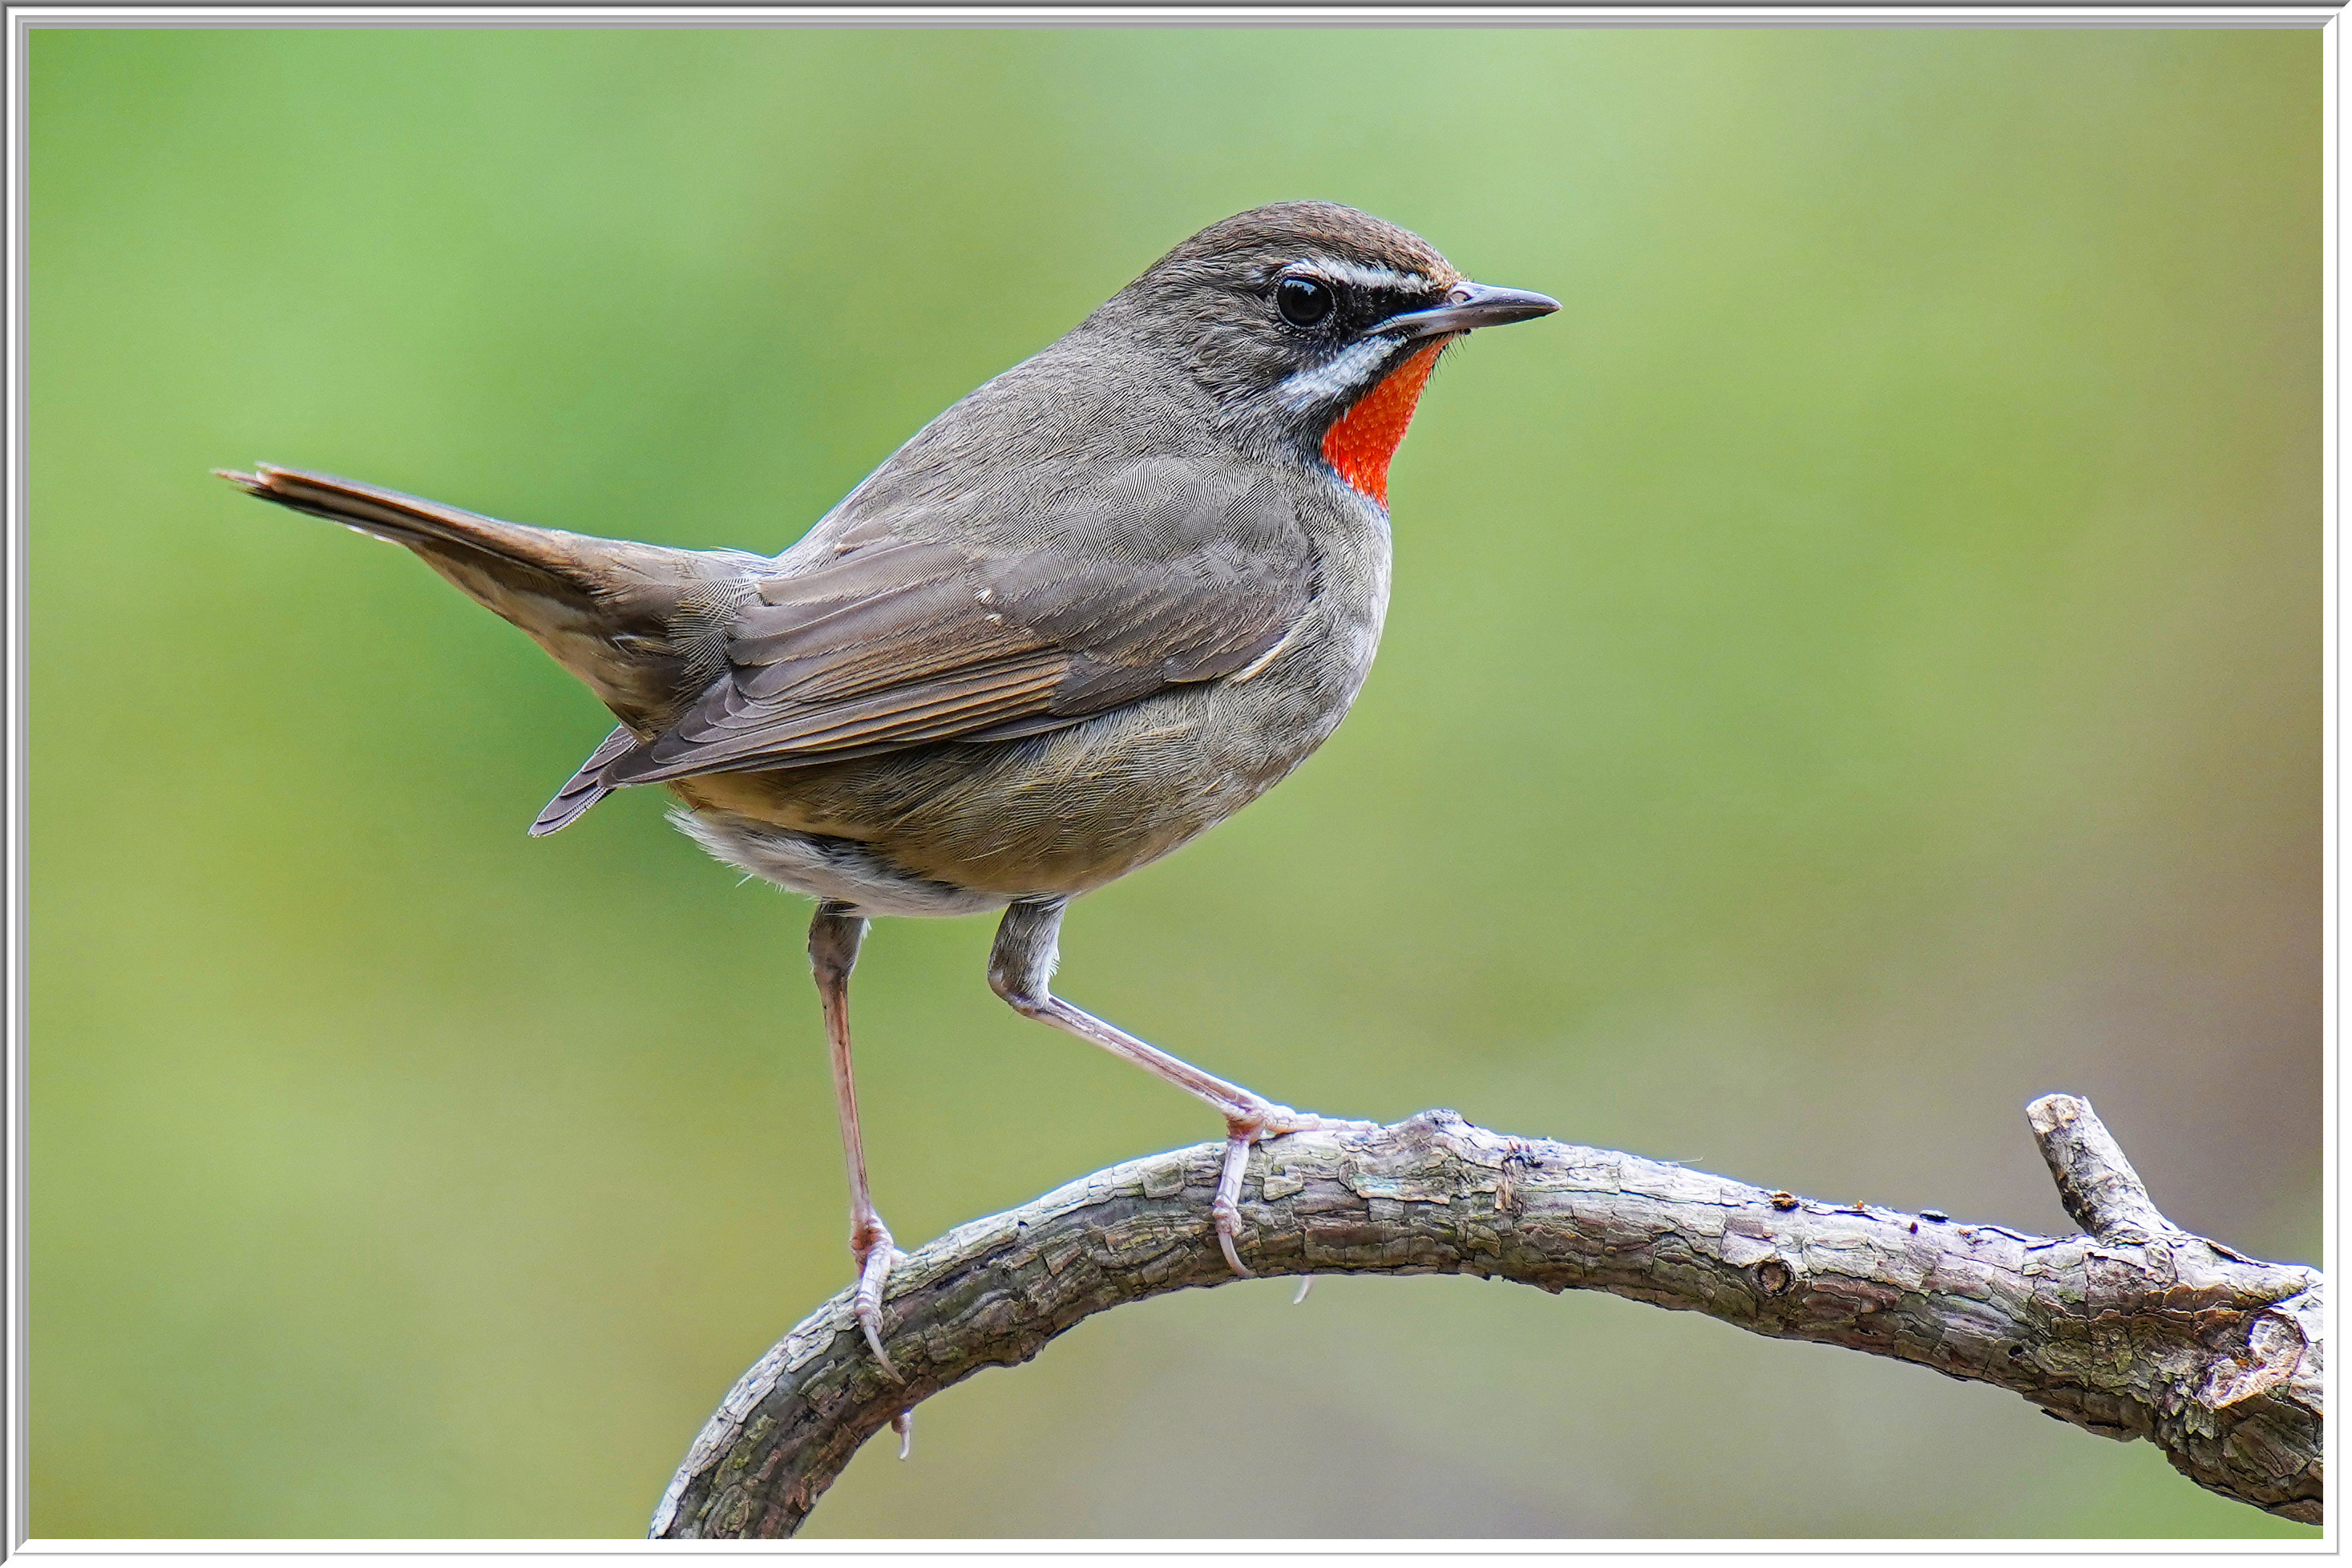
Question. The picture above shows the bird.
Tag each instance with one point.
(1103, 602)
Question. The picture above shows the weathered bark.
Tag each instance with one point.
(2136, 1328)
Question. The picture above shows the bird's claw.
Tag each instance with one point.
(903, 1423)
(1225, 1216)
(1254, 1126)
(875, 1256)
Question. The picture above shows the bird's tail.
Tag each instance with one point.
(511, 555)
(601, 607)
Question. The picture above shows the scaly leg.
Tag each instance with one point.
(1021, 967)
(833, 938)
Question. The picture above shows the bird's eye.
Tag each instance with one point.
(1303, 301)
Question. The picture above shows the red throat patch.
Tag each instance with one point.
(1360, 445)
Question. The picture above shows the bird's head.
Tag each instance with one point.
(1311, 326)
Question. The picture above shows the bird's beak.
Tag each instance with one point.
(1468, 305)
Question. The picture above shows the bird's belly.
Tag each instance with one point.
(840, 870)
(958, 828)
(954, 829)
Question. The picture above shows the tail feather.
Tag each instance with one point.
(601, 607)
(415, 522)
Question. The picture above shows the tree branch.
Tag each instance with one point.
(2136, 1330)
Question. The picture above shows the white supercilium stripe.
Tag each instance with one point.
(1364, 276)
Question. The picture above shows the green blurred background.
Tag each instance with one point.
(1853, 670)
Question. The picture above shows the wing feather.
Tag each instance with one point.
(1006, 621)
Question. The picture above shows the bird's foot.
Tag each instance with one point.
(870, 1246)
(1256, 1124)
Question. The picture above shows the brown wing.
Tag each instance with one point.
(1162, 573)
(585, 787)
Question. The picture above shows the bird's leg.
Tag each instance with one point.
(1021, 967)
(833, 938)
